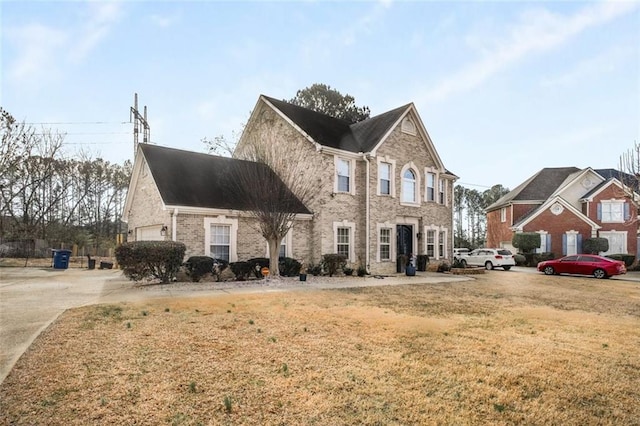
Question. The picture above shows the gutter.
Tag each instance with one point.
(368, 212)
(174, 224)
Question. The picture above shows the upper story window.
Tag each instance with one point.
(613, 211)
(503, 214)
(431, 186)
(442, 184)
(343, 172)
(384, 172)
(409, 186)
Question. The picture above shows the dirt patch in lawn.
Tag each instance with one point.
(505, 348)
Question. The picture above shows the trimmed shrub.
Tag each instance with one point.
(521, 259)
(526, 241)
(219, 265)
(457, 263)
(289, 267)
(444, 267)
(332, 262)
(628, 259)
(198, 267)
(241, 270)
(257, 263)
(595, 245)
(314, 270)
(144, 259)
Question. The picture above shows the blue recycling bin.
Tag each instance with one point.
(61, 259)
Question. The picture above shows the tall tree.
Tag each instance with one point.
(322, 98)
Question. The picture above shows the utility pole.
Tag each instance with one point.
(139, 123)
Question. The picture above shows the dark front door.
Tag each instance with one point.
(404, 245)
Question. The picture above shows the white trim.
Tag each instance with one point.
(392, 242)
(546, 205)
(613, 181)
(411, 166)
(408, 126)
(430, 171)
(352, 233)
(575, 237)
(604, 234)
(233, 235)
(392, 176)
(352, 175)
(225, 212)
(611, 202)
(545, 234)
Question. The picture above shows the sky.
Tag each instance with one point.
(503, 88)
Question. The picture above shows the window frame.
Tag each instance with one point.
(351, 167)
(430, 187)
(416, 182)
(222, 220)
(351, 227)
(609, 204)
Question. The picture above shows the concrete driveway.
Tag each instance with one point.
(32, 298)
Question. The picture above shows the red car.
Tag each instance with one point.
(583, 264)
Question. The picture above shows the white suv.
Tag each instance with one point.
(458, 252)
(489, 258)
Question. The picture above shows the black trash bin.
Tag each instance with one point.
(61, 259)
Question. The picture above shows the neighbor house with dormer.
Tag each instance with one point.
(565, 206)
(383, 191)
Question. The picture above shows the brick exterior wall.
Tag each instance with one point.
(146, 207)
(498, 233)
(313, 238)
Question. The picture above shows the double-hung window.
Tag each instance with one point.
(343, 241)
(441, 190)
(431, 243)
(344, 175)
(612, 211)
(441, 239)
(431, 187)
(220, 242)
(385, 244)
(384, 171)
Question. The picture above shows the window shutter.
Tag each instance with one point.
(579, 243)
(548, 243)
(599, 211)
(564, 244)
(626, 211)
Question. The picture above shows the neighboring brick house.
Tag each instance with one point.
(383, 192)
(566, 206)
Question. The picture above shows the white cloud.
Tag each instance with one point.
(164, 21)
(603, 63)
(537, 31)
(38, 47)
(101, 18)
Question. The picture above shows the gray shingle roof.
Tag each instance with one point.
(192, 179)
(336, 133)
(538, 187)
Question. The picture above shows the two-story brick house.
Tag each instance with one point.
(566, 206)
(383, 191)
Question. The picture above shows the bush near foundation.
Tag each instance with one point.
(141, 260)
(198, 267)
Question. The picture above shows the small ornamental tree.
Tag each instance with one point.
(332, 262)
(595, 245)
(526, 241)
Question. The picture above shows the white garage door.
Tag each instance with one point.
(149, 233)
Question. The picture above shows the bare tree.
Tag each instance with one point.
(630, 173)
(283, 184)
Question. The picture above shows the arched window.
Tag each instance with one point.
(409, 186)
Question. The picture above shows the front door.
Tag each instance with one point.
(404, 245)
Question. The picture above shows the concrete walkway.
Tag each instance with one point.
(32, 298)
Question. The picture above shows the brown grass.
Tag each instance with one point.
(506, 348)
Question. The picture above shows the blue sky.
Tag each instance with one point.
(503, 88)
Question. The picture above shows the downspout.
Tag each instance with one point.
(367, 214)
(174, 223)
